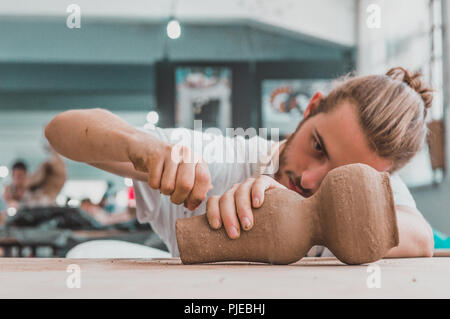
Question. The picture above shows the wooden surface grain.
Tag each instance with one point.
(168, 278)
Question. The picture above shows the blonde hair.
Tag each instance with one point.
(392, 110)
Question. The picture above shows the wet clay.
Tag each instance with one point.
(352, 214)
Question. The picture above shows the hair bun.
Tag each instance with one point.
(414, 81)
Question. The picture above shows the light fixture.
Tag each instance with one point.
(173, 29)
(11, 211)
(152, 117)
(60, 200)
(73, 203)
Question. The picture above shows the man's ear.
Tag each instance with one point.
(313, 103)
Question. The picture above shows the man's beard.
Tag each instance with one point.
(283, 155)
(283, 161)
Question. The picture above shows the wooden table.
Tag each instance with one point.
(168, 278)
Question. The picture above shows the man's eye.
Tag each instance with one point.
(317, 147)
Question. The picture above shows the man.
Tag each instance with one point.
(332, 133)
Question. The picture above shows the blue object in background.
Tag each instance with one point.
(440, 240)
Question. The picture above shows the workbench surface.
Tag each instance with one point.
(168, 278)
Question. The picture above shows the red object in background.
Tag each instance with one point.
(131, 199)
(130, 193)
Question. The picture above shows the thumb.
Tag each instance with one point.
(259, 188)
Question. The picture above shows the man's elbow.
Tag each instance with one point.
(51, 129)
(57, 125)
(416, 236)
(427, 242)
(48, 131)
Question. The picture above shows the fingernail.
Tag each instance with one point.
(216, 223)
(234, 232)
(246, 223)
(256, 201)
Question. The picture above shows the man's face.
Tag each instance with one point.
(19, 176)
(321, 143)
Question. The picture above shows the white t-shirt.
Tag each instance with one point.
(230, 160)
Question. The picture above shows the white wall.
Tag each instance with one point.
(401, 40)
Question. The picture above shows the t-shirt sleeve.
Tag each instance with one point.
(147, 201)
(402, 195)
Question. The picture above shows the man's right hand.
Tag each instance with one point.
(173, 169)
(234, 208)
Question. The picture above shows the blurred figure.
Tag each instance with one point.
(103, 216)
(16, 191)
(46, 182)
(107, 202)
(3, 213)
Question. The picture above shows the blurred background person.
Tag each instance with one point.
(15, 191)
(104, 217)
(44, 185)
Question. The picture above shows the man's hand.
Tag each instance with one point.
(234, 207)
(174, 170)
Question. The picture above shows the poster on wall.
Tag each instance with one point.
(285, 101)
(203, 93)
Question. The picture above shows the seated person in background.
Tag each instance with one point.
(15, 191)
(46, 182)
(103, 216)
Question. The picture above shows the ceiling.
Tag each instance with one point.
(327, 20)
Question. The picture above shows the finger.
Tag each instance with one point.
(262, 184)
(184, 183)
(213, 212)
(202, 184)
(169, 176)
(242, 198)
(228, 213)
(154, 174)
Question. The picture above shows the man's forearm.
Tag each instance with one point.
(416, 236)
(92, 135)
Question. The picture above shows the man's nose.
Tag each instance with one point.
(312, 177)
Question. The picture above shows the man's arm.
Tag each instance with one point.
(416, 235)
(7, 196)
(36, 179)
(102, 139)
(121, 169)
(93, 135)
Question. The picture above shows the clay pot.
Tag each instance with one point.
(352, 213)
